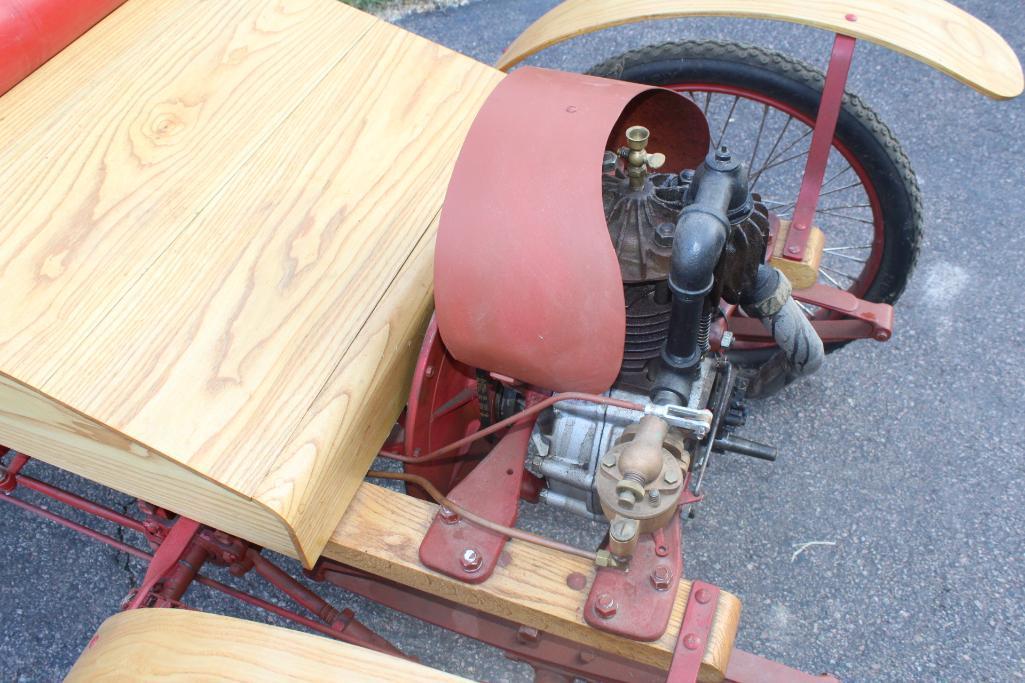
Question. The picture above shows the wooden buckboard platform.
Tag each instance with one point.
(216, 253)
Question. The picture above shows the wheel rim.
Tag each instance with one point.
(849, 212)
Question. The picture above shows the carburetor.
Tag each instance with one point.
(640, 481)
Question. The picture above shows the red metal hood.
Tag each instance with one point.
(527, 283)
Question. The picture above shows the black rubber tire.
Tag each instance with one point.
(800, 86)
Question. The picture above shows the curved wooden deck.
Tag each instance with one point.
(216, 253)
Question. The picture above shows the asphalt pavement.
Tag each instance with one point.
(904, 459)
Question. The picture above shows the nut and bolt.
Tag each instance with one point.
(605, 606)
(448, 516)
(661, 577)
(654, 497)
(471, 560)
(664, 234)
(723, 154)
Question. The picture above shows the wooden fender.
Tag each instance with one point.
(931, 31)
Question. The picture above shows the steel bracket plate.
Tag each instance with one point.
(628, 602)
(462, 549)
(694, 632)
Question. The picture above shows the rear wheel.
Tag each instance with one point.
(762, 105)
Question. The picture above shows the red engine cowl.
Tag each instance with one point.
(527, 283)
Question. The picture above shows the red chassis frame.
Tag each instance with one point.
(181, 548)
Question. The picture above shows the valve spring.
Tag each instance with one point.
(704, 329)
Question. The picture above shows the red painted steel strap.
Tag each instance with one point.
(694, 632)
(821, 144)
(167, 555)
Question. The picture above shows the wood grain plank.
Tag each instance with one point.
(182, 645)
(217, 356)
(932, 31)
(38, 426)
(381, 532)
(342, 432)
(52, 88)
(97, 190)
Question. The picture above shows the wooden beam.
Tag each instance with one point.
(381, 532)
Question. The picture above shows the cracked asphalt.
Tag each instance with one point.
(906, 457)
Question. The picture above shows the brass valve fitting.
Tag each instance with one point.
(638, 160)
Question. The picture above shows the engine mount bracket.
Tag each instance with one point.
(461, 549)
(637, 602)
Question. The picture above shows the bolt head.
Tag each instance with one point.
(605, 606)
(691, 641)
(723, 154)
(703, 596)
(727, 340)
(527, 635)
(448, 516)
(662, 577)
(671, 476)
(471, 560)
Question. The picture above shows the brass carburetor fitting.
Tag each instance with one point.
(640, 481)
(638, 160)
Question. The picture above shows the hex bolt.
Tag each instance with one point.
(723, 154)
(609, 460)
(661, 577)
(605, 606)
(727, 340)
(671, 477)
(471, 560)
(527, 635)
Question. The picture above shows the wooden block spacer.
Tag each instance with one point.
(804, 273)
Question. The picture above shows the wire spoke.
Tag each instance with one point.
(848, 218)
(848, 257)
(758, 139)
(835, 249)
(837, 175)
(840, 189)
(846, 206)
(838, 272)
(829, 277)
(708, 100)
(757, 174)
(729, 118)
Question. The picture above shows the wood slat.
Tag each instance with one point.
(182, 645)
(381, 532)
(223, 256)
